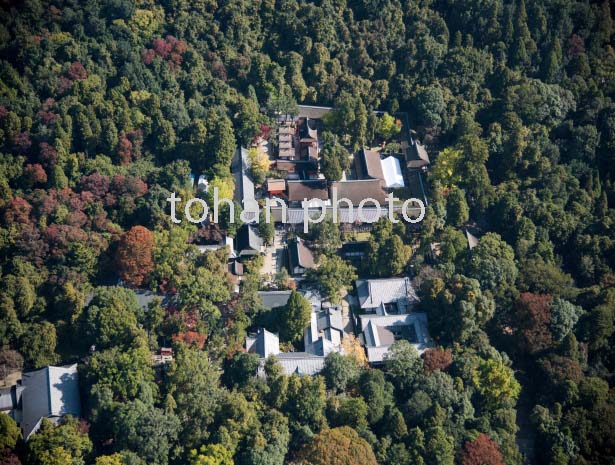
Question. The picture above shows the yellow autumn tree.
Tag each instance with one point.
(351, 346)
(446, 168)
(260, 163)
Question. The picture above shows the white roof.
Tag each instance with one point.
(49, 392)
(391, 169)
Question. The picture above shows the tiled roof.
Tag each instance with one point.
(358, 190)
(263, 343)
(300, 363)
(372, 165)
(244, 186)
(274, 299)
(300, 255)
(378, 333)
(313, 189)
(373, 293)
(312, 111)
(248, 241)
(49, 392)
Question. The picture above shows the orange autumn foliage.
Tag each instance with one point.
(134, 255)
(482, 451)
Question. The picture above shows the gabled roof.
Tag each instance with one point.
(248, 241)
(49, 392)
(371, 164)
(374, 293)
(274, 299)
(244, 186)
(378, 333)
(313, 111)
(472, 240)
(358, 190)
(416, 155)
(300, 363)
(145, 297)
(331, 318)
(312, 189)
(300, 255)
(263, 343)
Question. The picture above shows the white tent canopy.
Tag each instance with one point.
(391, 169)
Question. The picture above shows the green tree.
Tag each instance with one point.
(341, 371)
(388, 126)
(9, 432)
(146, 430)
(266, 229)
(564, 317)
(193, 381)
(326, 235)
(441, 447)
(295, 317)
(457, 211)
(113, 459)
(403, 365)
(333, 275)
(111, 318)
(38, 343)
(492, 262)
(67, 441)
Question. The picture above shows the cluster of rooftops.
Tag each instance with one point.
(387, 313)
(297, 161)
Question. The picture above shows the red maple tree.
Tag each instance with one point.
(436, 359)
(482, 451)
(134, 255)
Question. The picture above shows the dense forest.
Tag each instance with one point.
(108, 106)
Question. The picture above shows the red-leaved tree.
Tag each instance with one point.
(482, 451)
(533, 314)
(437, 359)
(134, 255)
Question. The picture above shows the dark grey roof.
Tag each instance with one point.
(248, 241)
(373, 293)
(300, 255)
(49, 392)
(274, 299)
(145, 297)
(354, 250)
(416, 154)
(10, 398)
(263, 343)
